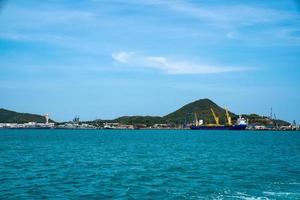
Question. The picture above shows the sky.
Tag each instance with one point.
(101, 59)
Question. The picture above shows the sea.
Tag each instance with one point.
(149, 164)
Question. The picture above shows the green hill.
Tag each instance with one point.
(7, 116)
(262, 120)
(186, 114)
(135, 120)
(183, 115)
(202, 109)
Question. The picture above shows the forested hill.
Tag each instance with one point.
(8, 116)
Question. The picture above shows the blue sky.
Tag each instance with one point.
(107, 58)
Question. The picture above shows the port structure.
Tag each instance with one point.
(47, 118)
(217, 119)
(228, 117)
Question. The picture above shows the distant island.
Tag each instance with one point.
(177, 119)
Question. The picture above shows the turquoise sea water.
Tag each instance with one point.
(157, 164)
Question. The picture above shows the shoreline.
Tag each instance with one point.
(153, 129)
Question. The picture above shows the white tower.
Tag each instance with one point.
(47, 118)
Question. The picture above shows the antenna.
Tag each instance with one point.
(275, 121)
(271, 113)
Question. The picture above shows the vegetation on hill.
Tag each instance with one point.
(263, 120)
(7, 116)
(201, 108)
(135, 120)
(184, 115)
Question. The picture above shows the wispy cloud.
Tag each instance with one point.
(46, 16)
(223, 15)
(33, 37)
(246, 23)
(169, 66)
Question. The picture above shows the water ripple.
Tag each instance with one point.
(58, 164)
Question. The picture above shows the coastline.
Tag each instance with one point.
(152, 129)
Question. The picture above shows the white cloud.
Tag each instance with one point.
(123, 57)
(169, 66)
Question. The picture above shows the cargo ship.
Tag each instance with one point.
(240, 124)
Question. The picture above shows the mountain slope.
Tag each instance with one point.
(135, 120)
(7, 116)
(202, 108)
(186, 114)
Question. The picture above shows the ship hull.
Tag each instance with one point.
(233, 127)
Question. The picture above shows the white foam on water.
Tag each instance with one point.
(282, 183)
(280, 194)
(244, 196)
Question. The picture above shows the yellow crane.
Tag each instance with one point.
(228, 117)
(215, 117)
